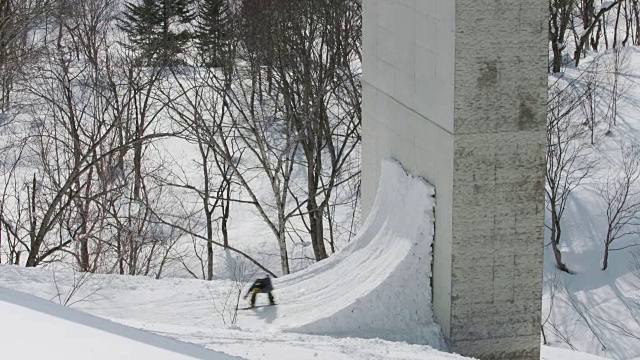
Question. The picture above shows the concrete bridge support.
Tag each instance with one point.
(456, 91)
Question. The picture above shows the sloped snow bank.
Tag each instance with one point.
(552, 353)
(64, 333)
(379, 285)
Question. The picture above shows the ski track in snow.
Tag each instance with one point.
(378, 285)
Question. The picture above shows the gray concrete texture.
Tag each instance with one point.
(456, 91)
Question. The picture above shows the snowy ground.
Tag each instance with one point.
(592, 310)
(359, 294)
(183, 310)
(64, 333)
(174, 309)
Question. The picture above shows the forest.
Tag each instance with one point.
(98, 97)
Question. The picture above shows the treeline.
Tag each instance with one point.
(583, 111)
(266, 91)
(579, 26)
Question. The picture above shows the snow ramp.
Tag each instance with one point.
(378, 286)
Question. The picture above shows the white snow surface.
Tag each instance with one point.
(379, 285)
(552, 353)
(360, 295)
(40, 329)
(591, 310)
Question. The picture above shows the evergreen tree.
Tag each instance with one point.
(142, 24)
(158, 28)
(211, 32)
(176, 15)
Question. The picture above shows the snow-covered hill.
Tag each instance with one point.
(39, 329)
(593, 310)
(186, 310)
(175, 309)
(359, 293)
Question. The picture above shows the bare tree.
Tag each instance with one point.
(592, 97)
(18, 46)
(617, 68)
(70, 136)
(261, 126)
(312, 47)
(197, 104)
(621, 194)
(560, 20)
(227, 304)
(589, 25)
(568, 164)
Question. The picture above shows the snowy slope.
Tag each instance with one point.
(364, 289)
(592, 310)
(551, 353)
(173, 309)
(180, 309)
(368, 277)
(40, 329)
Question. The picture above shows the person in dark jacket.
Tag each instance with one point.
(262, 285)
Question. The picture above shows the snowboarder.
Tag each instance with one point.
(262, 285)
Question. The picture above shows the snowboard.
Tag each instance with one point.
(255, 307)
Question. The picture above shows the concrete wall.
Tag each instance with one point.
(408, 109)
(456, 90)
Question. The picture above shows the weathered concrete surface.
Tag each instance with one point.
(456, 91)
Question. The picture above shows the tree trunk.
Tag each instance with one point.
(605, 259)
(615, 27)
(636, 17)
(225, 214)
(132, 254)
(584, 39)
(558, 257)
(555, 240)
(120, 253)
(316, 224)
(137, 170)
(557, 58)
(209, 216)
(282, 241)
(34, 248)
(208, 209)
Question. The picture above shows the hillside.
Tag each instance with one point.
(595, 310)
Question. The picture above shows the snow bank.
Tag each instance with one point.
(64, 333)
(551, 353)
(379, 285)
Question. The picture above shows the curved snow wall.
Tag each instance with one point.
(379, 285)
(456, 91)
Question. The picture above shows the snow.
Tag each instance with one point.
(362, 291)
(596, 311)
(551, 353)
(193, 318)
(607, 4)
(181, 310)
(52, 331)
(66, 333)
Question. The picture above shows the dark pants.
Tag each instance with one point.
(256, 292)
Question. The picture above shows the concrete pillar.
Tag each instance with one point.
(456, 91)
